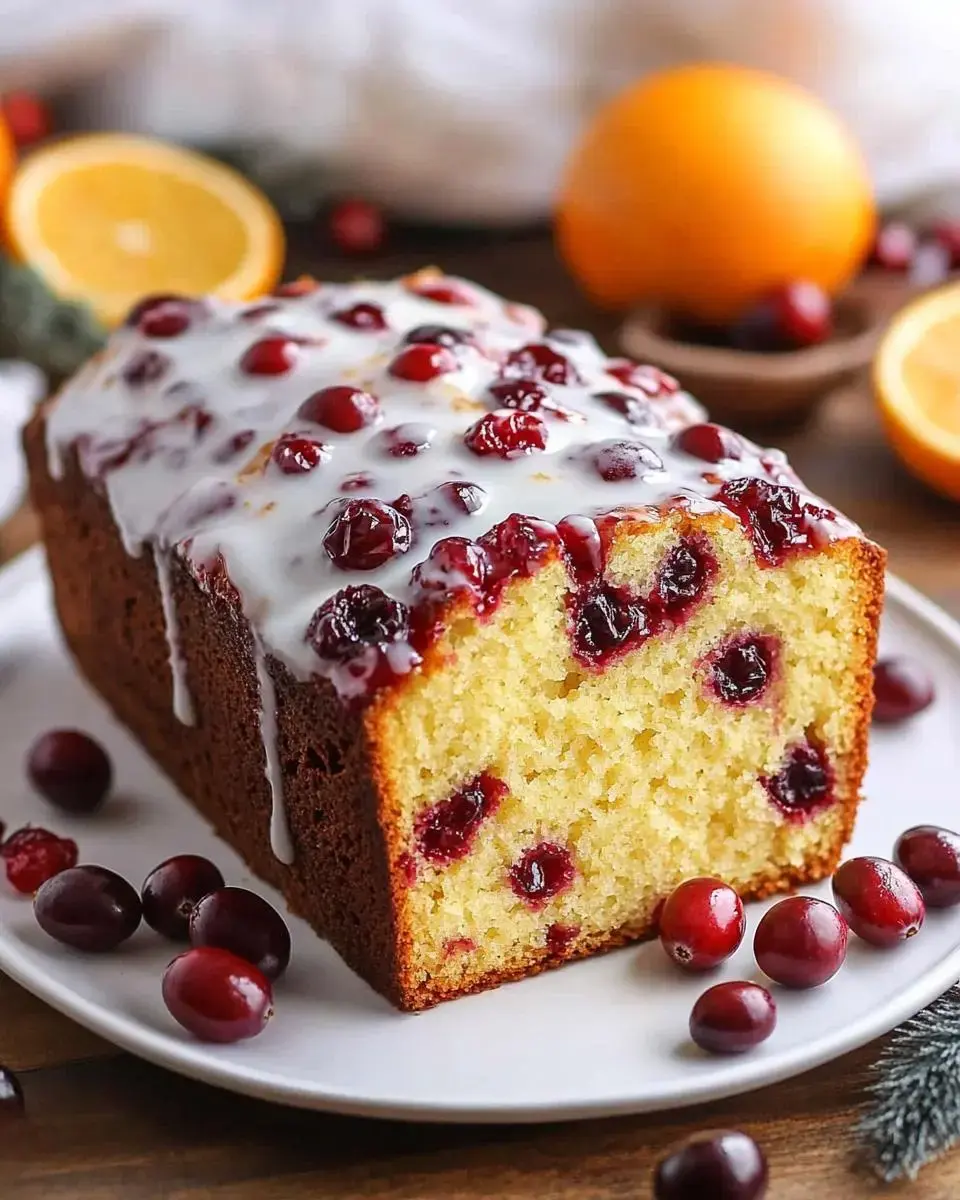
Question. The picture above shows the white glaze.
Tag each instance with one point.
(182, 703)
(281, 842)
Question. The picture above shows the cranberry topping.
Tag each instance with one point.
(878, 900)
(423, 362)
(407, 440)
(539, 361)
(728, 1166)
(217, 996)
(650, 380)
(455, 564)
(617, 461)
(365, 534)
(355, 619)
(709, 442)
(637, 410)
(70, 769)
(701, 924)
(89, 908)
(931, 857)
(683, 577)
(340, 408)
(234, 446)
(894, 247)
(273, 355)
(742, 668)
(304, 286)
(507, 434)
(522, 394)
(560, 937)
(443, 293)
(777, 520)
(296, 455)
(730, 1018)
(801, 942)
(583, 548)
(357, 227)
(606, 623)
(901, 688)
(446, 830)
(438, 335)
(244, 923)
(359, 481)
(166, 319)
(33, 855)
(541, 873)
(171, 890)
(367, 318)
(146, 367)
(804, 784)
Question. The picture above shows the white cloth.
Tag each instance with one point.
(465, 109)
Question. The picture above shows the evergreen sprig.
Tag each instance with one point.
(913, 1111)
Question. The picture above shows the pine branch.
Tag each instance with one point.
(57, 335)
(913, 1111)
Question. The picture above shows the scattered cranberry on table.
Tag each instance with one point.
(70, 769)
(357, 227)
(931, 857)
(901, 688)
(33, 855)
(217, 996)
(730, 1018)
(722, 1166)
(701, 923)
(11, 1096)
(801, 942)
(791, 317)
(171, 891)
(878, 900)
(89, 908)
(232, 918)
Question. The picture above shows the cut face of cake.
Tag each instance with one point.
(472, 640)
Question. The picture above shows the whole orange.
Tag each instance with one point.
(704, 186)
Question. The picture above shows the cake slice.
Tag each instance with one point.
(471, 640)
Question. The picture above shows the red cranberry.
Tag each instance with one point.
(637, 410)
(880, 903)
(560, 937)
(444, 292)
(365, 534)
(368, 318)
(234, 446)
(683, 577)
(171, 890)
(711, 443)
(541, 873)
(166, 318)
(794, 316)
(446, 831)
(515, 546)
(244, 923)
(650, 380)
(146, 367)
(27, 117)
(617, 461)
(607, 622)
(455, 564)
(422, 363)
(522, 394)
(538, 361)
(583, 548)
(11, 1096)
(901, 689)
(304, 286)
(454, 946)
(778, 522)
(70, 769)
(270, 356)
(297, 455)
(217, 996)
(357, 227)
(801, 942)
(894, 247)
(354, 619)
(931, 857)
(407, 440)
(33, 855)
(359, 481)
(701, 923)
(464, 498)
(804, 783)
(726, 1166)
(742, 670)
(89, 908)
(340, 408)
(733, 1017)
(438, 335)
(507, 434)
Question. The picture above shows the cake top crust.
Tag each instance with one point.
(323, 442)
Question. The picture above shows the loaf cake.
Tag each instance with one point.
(470, 639)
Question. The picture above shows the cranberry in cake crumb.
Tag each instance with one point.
(701, 923)
(341, 408)
(508, 434)
(33, 855)
(146, 367)
(730, 1018)
(11, 1096)
(931, 857)
(171, 890)
(607, 622)
(365, 534)
(741, 670)
(88, 908)
(560, 937)
(617, 461)
(298, 455)
(270, 356)
(541, 873)
(217, 996)
(454, 946)
(724, 1166)
(879, 901)
(712, 443)
(243, 922)
(367, 318)
(70, 769)
(422, 363)
(683, 577)
(541, 362)
(801, 942)
(354, 619)
(446, 831)
(804, 784)
(901, 689)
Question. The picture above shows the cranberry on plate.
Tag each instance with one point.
(730, 1018)
(879, 901)
(89, 908)
(931, 857)
(171, 891)
(243, 922)
(801, 942)
(901, 688)
(701, 923)
(216, 995)
(70, 769)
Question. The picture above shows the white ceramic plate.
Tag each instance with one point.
(595, 1038)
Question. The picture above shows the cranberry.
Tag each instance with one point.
(538, 361)
(711, 443)
(804, 783)
(444, 292)
(297, 455)
(365, 534)
(11, 1096)
(422, 362)
(732, 1017)
(648, 379)
(438, 335)
(446, 831)
(368, 318)
(518, 545)
(560, 937)
(27, 117)
(244, 923)
(217, 996)
(522, 394)
(172, 889)
(234, 446)
(357, 227)
(304, 286)
(89, 908)
(70, 769)
(464, 498)
(636, 410)
(146, 367)
(33, 855)
(340, 408)
(273, 355)
(506, 434)
(931, 857)
(894, 247)
(617, 461)
(359, 481)
(879, 901)
(726, 1166)
(166, 318)
(742, 669)
(607, 622)
(947, 235)
(778, 522)
(801, 942)
(455, 564)
(407, 440)
(583, 548)
(461, 945)
(541, 873)
(901, 689)
(791, 317)
(701, 923)
(354, 619)
(682, 577)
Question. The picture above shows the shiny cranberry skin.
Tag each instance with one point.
(447, 830)
(701, 923)
(733, 1017)
(357, 227)
(709, 442)
(243, 922)
(274, 355)
(726, 1166)
(298, 455)
(618, 461)
(778, 521)
(901, 689)
(740, 673)
(217, 996)
(407, 440)
(455, 564)
(340, 408)
(541, 873)
(464, 498)
(11, 1096)
(158, 306)
(353, 620)
(894, 247)
(171, 890)
(650, 380)
(365, 534)
(145, 367)
(70, 769)
(804, 784)
(438, 335)
(879, 901)
(560, 937)
(801, 942)
(508, 434)
(791, 317)
(540, 362)
(33, 855)
(422, 363)
(166, 319)
(636, 409)
(365, 317)
(931, 857)
(522, 394)
(89, 908)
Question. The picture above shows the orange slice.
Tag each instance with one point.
(108, 218)
(917, 380)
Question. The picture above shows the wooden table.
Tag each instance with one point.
(103, 1125)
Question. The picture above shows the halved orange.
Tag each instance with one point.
(108, 218)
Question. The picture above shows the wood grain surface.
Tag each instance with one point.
(102, 1125)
